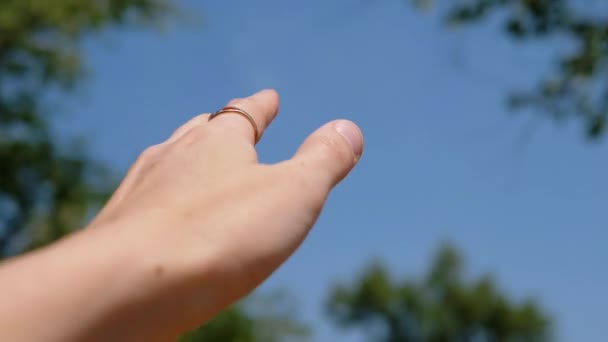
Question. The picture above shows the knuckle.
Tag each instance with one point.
(194, 136)
(150, 152)
(234, 102)
(148, 157)
(200, 120)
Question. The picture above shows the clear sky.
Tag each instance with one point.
(523, 197)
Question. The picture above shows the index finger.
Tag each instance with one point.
(262, 108)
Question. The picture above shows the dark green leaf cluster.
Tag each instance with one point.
(442, 306)
(259, 318)
(578, 87)
(232, 325)
(43, 187)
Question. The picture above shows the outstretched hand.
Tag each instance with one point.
(197, 223)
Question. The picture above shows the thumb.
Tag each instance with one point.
(328, 155)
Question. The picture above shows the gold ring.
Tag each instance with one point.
(241, 112)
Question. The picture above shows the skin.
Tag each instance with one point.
(196, 224)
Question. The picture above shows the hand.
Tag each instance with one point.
(196, 224)
(211, 222)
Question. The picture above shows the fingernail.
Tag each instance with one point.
(352, 134)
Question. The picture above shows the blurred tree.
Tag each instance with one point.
(232, 325)
(579, 86)
(46, 190)
(440, 307)
(269, 318)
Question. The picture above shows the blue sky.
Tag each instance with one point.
(523, 198)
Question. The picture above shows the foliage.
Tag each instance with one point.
(579, 87)
(442, 306)
(43, 187)
(232, 325)
(269, 318)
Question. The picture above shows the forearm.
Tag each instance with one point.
(105, 284)
(66, 291)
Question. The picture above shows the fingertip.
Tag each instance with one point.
(329, 153)
(269, 92)
(352, 133)
(270, 95)
(265, 96)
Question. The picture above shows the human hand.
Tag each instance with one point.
(208, 223)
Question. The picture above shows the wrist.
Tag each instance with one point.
(69, 287)
(108, 283)
(88, 286)
(132, 283)
(156, 292)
